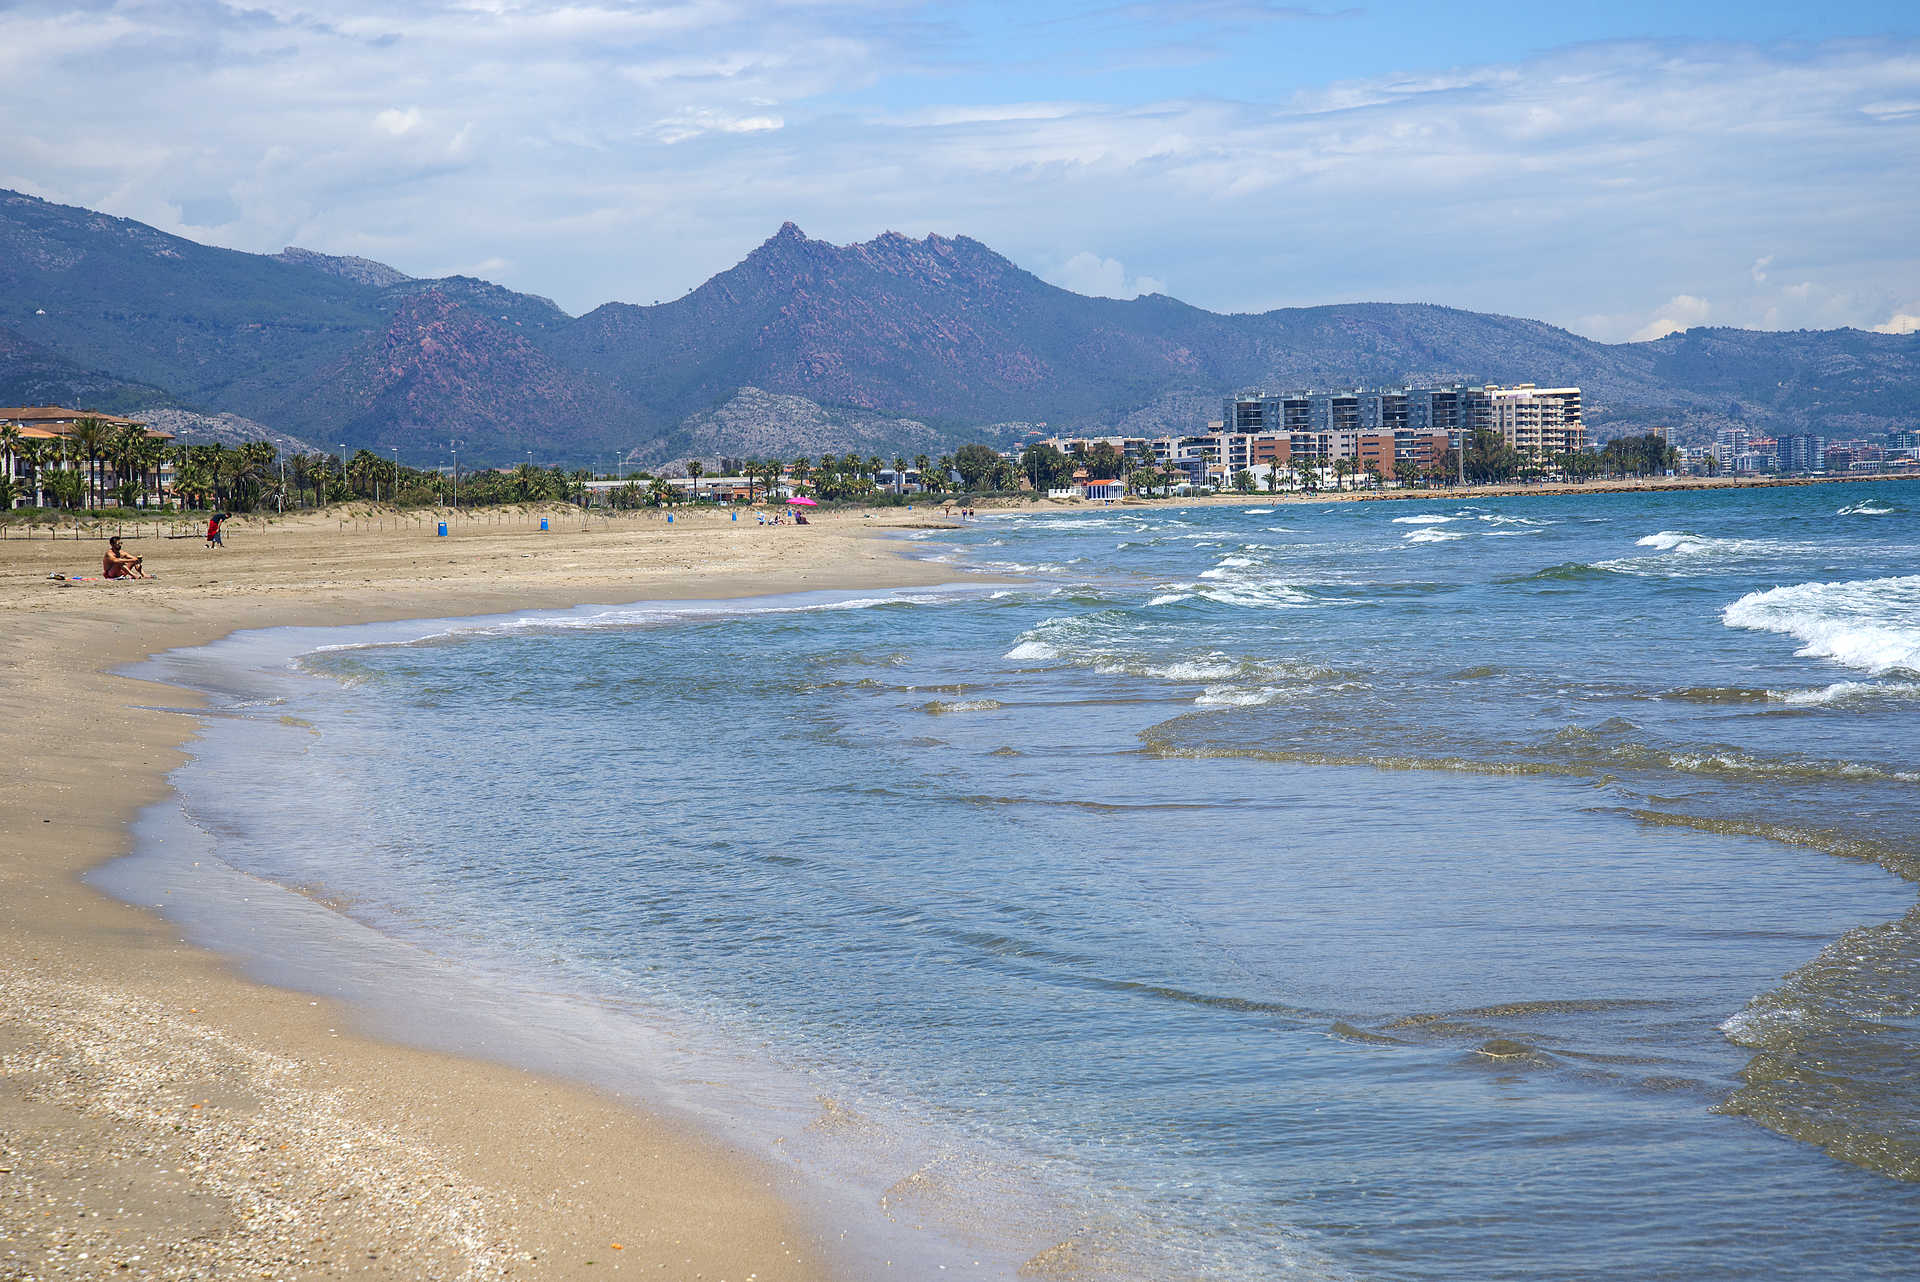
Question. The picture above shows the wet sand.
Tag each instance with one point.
(161, 1116)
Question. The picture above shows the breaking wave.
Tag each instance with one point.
(1872, 624)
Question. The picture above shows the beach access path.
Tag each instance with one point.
(160, 1115)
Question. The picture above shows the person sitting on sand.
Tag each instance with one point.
(120, 565)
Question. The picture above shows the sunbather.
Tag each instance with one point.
(120, 565)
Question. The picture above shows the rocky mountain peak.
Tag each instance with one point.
(363, 271)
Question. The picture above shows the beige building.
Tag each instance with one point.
(1537, 421)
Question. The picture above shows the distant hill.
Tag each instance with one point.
(895, 345)
(361, 270)
(31, 374)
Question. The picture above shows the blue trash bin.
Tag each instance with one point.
(443, 529)
(733, 516)
(543, 522)
(669, 518)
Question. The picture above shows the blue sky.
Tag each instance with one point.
(1621, 170)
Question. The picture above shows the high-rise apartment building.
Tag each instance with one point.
(1537, 421)
(1801, 452)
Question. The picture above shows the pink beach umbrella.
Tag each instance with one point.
(801, 500)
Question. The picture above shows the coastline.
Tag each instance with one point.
(1456, 494)
(162, 1112)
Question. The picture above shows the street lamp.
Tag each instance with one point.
(453, 448)
(395, 451)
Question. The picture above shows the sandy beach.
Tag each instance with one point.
(161, 1116)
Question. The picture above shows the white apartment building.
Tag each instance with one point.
(1537, 421)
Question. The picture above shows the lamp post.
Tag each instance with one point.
(343, 468)
(453, 448)
(395, 496)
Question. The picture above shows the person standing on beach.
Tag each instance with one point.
(215, 539)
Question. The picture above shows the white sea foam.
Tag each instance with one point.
(1211, 668)
(1171, 598)
(1870, 624)
(1274, 594)
(938, 706)
(1846, 692)
(1865, 507)
(1686, 544)
(1258, 511)
(1425, 518)
(1236, 697)
(1033, 651)
(1433, 536)
(1668, 540)
(1227, 565)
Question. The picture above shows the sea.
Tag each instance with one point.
(1452, 888)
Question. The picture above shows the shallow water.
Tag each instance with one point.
(1515, 889)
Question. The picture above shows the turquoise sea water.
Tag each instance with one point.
(1457, 889)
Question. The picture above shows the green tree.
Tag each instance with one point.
(1045, 467)
(10, 438)
(1491, 460)
(91, 438)
(1104, 462)
(65, 484)
(976, 464)
(33, 454)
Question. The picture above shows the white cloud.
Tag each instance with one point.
(1903, 322)
(693, 122)
(1892, 110)
(1576, 186)
(1682, 311)
(396, 122)
(1088, 273)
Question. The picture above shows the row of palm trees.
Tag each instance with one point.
(99, 463)
(73, 469)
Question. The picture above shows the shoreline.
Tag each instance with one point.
(1457, 493)
(162, 1111)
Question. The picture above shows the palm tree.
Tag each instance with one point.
(90, 437)
(694, 468)
(10, 439)
(63, 481)
(34, 453)
(123, 449)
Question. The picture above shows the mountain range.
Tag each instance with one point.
(892, 345)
